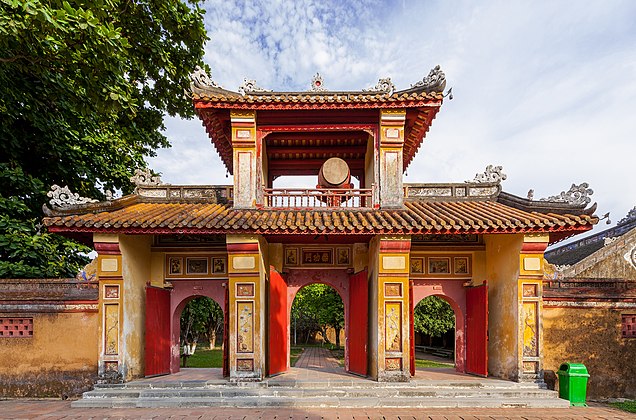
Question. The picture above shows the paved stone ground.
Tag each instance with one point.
(56, 409)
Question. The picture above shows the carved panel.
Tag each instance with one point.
(245, 365)
(245, 289)
(530, 322)
(245, 335)
(393, 363)
(317, 256)
(393, 326)
(111, 329)
(111, 291)
(197, 266)
(530, 290)
(393, 289)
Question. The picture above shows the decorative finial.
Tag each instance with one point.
(383, 86)
(577, 195)
(63, 198)
(145, 178)
(531, 194)
(250, 86)
(434, 82)
(609, 240)
(491, 174)
(317, 84)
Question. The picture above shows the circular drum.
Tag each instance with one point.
(334, 173)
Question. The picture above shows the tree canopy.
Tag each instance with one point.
(201, 317)
(84, 87)
(433, 316)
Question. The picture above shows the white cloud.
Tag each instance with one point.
(546, 89)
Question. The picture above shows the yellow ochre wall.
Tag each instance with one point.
(136, 257)
(591, 336)
(60, 359)
(502, 272)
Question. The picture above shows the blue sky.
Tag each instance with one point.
(547, 89)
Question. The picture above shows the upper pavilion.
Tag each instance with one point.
(374, 133)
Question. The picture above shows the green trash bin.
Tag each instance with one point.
(573, 383)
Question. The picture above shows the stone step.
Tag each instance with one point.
(230, 392)
(259, 401)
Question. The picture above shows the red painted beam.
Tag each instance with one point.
(317, 149)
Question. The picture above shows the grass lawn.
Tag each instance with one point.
(295, 353)
(203, 357)
(423, 363)
(626, 405)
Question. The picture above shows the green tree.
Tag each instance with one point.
(433, 316)
(84, 87)
(317, 307)
(201, 318)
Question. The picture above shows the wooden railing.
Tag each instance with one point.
(300, 198)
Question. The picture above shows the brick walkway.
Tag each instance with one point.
(55, 409)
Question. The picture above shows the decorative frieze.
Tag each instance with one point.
(465, 191)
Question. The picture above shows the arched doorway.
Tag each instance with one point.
(454, 293)
(201, 333)
(434, 333)
(183, 292)
(317, 320)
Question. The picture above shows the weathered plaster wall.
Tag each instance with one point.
(136, 257)
(613, 267)
(157, 268)
(374, 245)
(592, 337)
(502, 272)
(479, 268)
(276, 256)
(60, 359)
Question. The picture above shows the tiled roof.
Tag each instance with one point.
(144, 215)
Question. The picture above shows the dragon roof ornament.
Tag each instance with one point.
(249, 86)
(145, 178)
(491, 174)
(577, 195)
(434, 82)
(199, 79)
(631, 216)
(62, 197)
(383, 86)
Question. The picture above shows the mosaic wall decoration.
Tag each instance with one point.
(110, 366)
(343, 256)
(530, 290)
(393, 326)
(218, 265)
(197, 265)
(628, 323)
(393, 363)
(245, 289)
(530, 346)
(245, 336)
(393, 289)
(317, 256)
(461, 265)
(16, 327)
(442, 238)
(439, 265)
(175, 265)
(111, 292)
(111, 329)
(417, 265)
(291, 256)
(245, 365)
(530, 367)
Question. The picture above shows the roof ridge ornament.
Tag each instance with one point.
(62, 197)
(199, 79)
(249, 86)
(631, 215)
(434, 82)
(384, 85)
(491, 174)
(317, 84)
(145, 178)
(577, 195)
